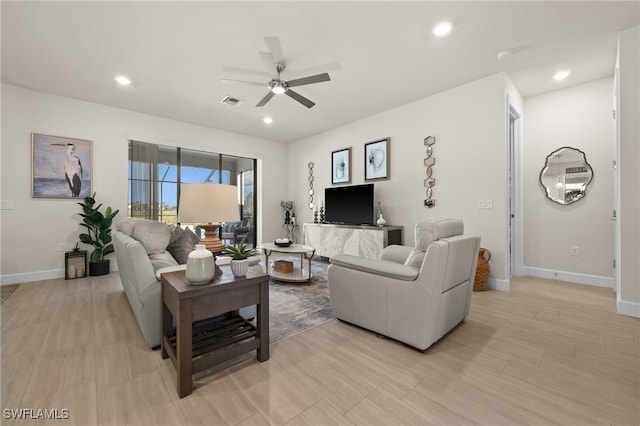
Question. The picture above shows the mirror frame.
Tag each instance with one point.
(583, 191)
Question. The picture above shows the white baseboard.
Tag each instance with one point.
(496, 284)
(51, 274)
(572, 277)
(631, 309)
(27, 277)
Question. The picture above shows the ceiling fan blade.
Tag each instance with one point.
(269, 63)
(251, 83)
(273, 44)
(266, 99)
(309, 80)
(317, 69)
(240, 70)
(298, 97)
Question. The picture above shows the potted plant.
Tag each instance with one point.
(287, 206)
(239, 257)
(98, 235)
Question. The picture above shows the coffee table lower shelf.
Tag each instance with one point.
(216, 340)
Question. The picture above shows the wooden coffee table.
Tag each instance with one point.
(202, 337)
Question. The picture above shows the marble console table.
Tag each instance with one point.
(358, 240)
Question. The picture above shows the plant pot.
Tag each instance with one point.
(239, 268)
(99, 268)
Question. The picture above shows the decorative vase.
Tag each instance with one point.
(381, 220)
(200, 266)
(287, 217)
(239, 267)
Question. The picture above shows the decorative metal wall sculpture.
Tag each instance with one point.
(429, 162)
(310, 165)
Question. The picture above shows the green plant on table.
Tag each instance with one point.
(241, 252)
(98, 227)
(286, 205)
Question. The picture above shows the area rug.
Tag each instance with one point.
(6, 291)
(296, 307)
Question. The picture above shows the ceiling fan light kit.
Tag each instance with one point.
(278, 86)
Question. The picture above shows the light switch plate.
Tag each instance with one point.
(485, 204)
(6, 205)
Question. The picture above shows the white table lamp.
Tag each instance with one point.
(206, 205)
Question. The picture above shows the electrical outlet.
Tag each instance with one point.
(62, 247)
(485, 204)
(575, 251)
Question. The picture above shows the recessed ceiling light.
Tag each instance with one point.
(561, 75)
(122, 80)
(268, 120)
(442, 29)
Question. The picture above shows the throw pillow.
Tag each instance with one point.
(182, 243)
(154, 236)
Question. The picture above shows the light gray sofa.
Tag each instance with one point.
(143, 251)
(412, 294)
(141, 255)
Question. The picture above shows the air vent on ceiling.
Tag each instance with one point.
(229, 100)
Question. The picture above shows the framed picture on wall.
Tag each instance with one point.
(60, 167)
(341, 166)
(376, 160)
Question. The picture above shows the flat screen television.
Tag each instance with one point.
(352, 205)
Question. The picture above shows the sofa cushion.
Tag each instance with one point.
(181, 243)
(154, 236)
(162, 260)
(127, 225)
(415, 258)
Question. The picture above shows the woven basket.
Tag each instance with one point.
(482, 270)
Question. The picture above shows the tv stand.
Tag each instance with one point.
(358, 240)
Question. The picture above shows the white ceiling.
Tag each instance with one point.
(379, 54)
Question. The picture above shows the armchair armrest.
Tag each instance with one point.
(385, 268)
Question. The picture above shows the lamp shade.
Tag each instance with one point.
(208, 202)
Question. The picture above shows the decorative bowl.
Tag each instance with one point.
(287, 244)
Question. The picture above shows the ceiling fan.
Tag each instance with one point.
(274, 60)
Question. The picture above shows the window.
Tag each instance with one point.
(155, 172)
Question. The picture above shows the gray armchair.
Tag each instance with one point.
(233, 232)
(412, 294)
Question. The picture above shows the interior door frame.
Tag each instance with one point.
(616, 182)
(516, 191)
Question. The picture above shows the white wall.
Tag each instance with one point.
(579, 117)
(629, 214)
(471, 162)
(30, 233)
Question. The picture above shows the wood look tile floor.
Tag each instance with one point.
(543, 353)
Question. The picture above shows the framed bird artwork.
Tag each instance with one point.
(61, 167)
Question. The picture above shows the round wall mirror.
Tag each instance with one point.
(565, 175)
